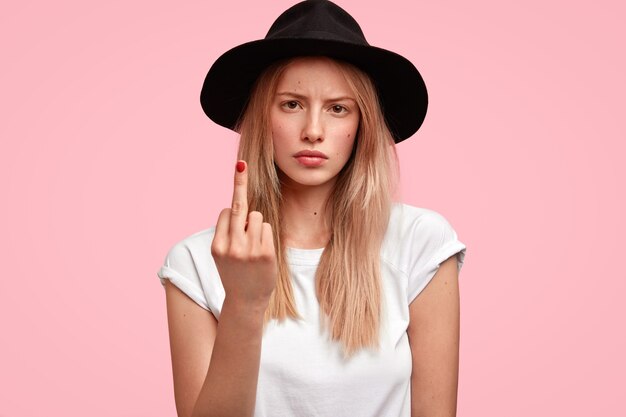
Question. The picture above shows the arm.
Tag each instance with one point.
(244, 254)
(228, 385)
(434, 338)
(192, 331)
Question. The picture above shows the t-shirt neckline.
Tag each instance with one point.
(298, 256)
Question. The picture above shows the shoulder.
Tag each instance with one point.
(190, 266)
(194, 243)
(192, 254)
(419, 224)
(414, 235)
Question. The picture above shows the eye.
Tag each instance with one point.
(338, 109)
(292, 105)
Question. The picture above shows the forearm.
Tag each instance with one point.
(231, 381)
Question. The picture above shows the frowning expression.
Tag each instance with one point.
(313, 110)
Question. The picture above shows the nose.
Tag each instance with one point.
(313, 129)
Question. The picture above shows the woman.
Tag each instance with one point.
(313, 272)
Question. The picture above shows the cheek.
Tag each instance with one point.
(346, 129)
(277, 128)
(276, 123)
(282, 127)
(351, 128)
(344, 147)
(350, 136)
(277, 136)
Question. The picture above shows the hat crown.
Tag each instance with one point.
(314, 28)
(317, 19)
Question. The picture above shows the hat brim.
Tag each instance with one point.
(401, 89)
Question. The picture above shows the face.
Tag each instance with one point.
(313, 110)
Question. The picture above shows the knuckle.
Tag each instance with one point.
(256, 256)
(237, 253)
(217, 250)
(238, 207)
(266, 256)
(256, 215)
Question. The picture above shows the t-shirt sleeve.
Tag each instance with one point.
(434, 241)
(180, 268)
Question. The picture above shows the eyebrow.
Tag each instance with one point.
(301, 97)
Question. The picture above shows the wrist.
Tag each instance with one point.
(250, 309)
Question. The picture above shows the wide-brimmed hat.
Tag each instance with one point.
(316, 27)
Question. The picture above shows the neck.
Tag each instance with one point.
(305, 223)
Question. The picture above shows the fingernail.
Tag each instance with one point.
(241, 166)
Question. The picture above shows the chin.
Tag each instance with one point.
(305, 180)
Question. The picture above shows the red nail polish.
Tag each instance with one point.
(241, 166)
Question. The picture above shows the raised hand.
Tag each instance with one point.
(243, 249)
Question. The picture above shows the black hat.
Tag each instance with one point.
(316, 27)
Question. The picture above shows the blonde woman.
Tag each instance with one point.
(302, 300)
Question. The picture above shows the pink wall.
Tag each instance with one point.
(108, 160)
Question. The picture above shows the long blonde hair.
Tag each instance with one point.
(348, 277)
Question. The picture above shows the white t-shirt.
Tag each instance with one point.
(303, 374)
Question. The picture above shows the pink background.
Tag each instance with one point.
(108, 161)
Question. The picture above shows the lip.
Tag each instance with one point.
(310, 161)
(308, 153)
(310, 158)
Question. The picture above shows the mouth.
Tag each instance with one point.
(311, 154)
(310, 161)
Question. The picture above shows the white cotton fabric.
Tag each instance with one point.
(301, 373)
